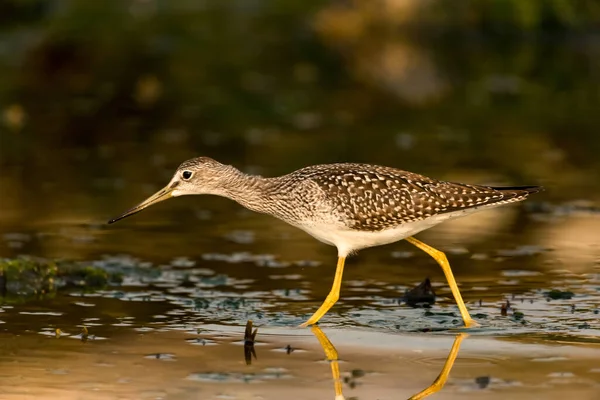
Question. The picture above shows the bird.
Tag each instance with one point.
(351, 206)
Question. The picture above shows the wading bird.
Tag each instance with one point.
(349, 206)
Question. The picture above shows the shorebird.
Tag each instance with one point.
(347, 205)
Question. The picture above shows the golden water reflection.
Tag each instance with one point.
(332, 356)
(440, 381)
(437, 385)
(205, 361)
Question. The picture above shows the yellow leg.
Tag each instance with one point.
(332, 297)
(332, 355)
(440, 381)
(441, 259)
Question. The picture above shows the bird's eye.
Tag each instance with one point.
(186, 175)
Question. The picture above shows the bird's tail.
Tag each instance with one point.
(517, 192)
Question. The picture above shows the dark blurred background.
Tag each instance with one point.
(101, 100)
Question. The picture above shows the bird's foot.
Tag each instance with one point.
(471, 323)
(306, 324)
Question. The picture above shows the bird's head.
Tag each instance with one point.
(200, 175)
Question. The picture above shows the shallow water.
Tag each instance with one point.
(189, 361)
(174, 328)
(195, 270)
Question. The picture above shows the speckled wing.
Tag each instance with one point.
(373, 198)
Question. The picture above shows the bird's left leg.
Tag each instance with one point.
(332, 297)
(441, 259)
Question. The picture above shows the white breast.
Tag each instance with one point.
(348, 240)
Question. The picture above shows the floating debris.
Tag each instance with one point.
(482, 381)
(249, 340)
(421, 295)
(556, 294)
(504, 309)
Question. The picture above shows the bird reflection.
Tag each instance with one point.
(440, 381)
(332, 355)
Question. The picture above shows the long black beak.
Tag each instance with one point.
(159, 196)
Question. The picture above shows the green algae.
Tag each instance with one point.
(24, 277)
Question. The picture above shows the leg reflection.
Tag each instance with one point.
(332, 355)
(440, 381)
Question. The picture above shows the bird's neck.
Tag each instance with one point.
(249, 191)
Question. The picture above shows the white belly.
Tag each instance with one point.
(348, 240)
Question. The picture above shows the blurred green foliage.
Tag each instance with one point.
(228, 78)
(504, 16)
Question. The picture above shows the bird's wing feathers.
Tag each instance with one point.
(375, 198)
